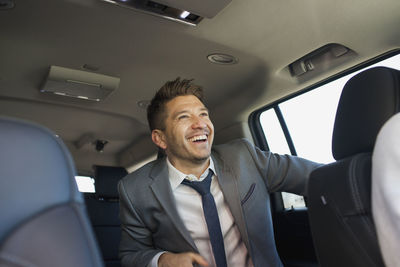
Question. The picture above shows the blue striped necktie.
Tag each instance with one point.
(211, 215)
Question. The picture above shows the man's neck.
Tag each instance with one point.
(189, 167)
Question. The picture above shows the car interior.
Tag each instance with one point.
(77, 76)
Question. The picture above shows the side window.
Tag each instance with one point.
(303, 125)
(309, 118)
(85, 184)
(273, 132)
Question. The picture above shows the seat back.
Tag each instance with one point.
(103, 209)
(340, 193)
(43, 217)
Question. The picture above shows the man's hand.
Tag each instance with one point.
(186, 259)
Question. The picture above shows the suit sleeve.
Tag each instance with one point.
(283, 172)
(136, 247)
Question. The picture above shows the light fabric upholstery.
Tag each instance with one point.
(340, 193)
(386, 190)
(43, 217)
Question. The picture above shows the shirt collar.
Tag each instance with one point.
(176, 177)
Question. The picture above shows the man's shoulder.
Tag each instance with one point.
(141, 176)
(235, 145)
(235, 151)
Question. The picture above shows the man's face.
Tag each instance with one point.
(188, 133)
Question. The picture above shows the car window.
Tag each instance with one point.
(85, 184)
(309, 120)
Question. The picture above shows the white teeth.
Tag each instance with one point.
(198, 138)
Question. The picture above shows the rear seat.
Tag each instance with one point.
(103, 210)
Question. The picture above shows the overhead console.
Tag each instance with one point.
(189, 12)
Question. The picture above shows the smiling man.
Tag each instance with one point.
(186, 134)
(202, 205)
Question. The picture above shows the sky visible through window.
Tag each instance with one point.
(85, 184)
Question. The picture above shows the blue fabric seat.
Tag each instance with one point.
(43, 216)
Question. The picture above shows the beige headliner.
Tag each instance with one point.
(144, 51)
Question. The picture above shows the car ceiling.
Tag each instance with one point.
(144, 51)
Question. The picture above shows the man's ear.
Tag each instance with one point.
(158, 138)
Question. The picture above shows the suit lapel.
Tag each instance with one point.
(228, 182)
(162, 191)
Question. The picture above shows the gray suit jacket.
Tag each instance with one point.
(151, 223)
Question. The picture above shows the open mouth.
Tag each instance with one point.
(198, 138)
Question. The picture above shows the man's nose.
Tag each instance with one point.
(198, 122)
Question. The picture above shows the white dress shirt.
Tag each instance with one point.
(190, 209)
(386, 190)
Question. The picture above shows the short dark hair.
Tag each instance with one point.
(171, 89)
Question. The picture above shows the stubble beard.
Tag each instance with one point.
(190, 158)
(200, 160)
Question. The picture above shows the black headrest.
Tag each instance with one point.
(368, 100)
(36, 173)
(106, 180)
